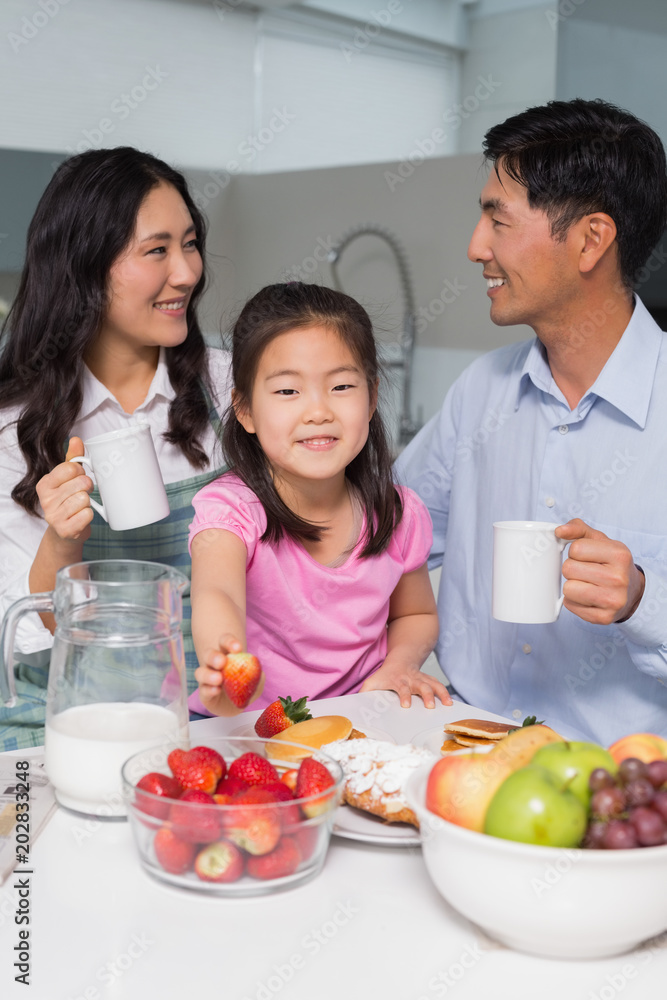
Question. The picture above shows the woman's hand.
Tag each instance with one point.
(209, 677)
(406, 682)
(63, 495)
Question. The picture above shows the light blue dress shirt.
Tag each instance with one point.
(506, 446)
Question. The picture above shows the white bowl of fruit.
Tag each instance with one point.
(225, 820)
(553, 848)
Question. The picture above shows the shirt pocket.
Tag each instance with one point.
(648, 550)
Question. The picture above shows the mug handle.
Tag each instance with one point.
(93, 503)
(561, 542)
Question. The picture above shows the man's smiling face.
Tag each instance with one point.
(531, 277)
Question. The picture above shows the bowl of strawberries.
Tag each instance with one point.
(226, 820)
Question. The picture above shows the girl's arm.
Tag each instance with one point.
(218, 612)
(411, 635)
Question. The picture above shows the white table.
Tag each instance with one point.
(371, 925)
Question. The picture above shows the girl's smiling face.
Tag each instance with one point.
(150, 284)
(311, 406)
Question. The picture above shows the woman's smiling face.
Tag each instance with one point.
(151, 282)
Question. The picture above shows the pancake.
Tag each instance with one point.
(313, 733)
(483, 729)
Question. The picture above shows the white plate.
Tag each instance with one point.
(354, 824)
(432, 739)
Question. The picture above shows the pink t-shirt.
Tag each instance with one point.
(317, 630)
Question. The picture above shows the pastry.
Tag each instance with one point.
(311, 733)
(376, 773)
(473, 733)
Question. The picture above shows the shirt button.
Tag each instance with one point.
(563, 428)
(526, 648)
(516, 714)
(550, 502)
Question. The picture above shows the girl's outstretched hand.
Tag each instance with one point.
(406, 682)
(209, 677)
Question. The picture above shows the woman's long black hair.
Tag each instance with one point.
(278, 309)
(85, 219)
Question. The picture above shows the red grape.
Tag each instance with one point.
(660, 803)
(656, 773)
(649, 826)
(630, 769)
(639, 792)
(595, 833)
(600, 778)
(608, 802)
(619, 835)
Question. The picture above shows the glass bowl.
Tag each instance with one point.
(206, 848)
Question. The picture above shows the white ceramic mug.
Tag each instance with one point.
(128, 476)
(527, 572)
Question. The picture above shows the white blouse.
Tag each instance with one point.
(21, 533)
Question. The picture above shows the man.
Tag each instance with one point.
(568, 427)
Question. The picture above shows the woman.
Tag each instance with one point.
(103, 332)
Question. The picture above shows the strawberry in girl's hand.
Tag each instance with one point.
(241, 675)
(281, 861)
(174, 854)
(313, 777)
(200, 768)
(280, 715)
(252, 768)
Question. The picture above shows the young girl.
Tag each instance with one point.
(305, 553)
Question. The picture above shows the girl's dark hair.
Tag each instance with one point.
(85, 219)
(579, 157)
(279, 309)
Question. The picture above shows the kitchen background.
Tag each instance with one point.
(297, 123)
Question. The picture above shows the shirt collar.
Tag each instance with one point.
(626, 381)
(95, 394)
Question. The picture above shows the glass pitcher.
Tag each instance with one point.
(117, 674)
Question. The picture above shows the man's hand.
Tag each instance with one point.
(603, 585)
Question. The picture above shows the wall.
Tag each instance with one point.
(514, 52)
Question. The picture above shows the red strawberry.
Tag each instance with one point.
(197, 768)
(219, 862)
(252, 768)
(280, 715)
(241, 675)
(174, 855)
(289, 778)
(231, 786)
(313, 777)
(195, 818)
(289, 815)
(282, 861)
(157, 784)
(253, 825)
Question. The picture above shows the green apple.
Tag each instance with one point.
(572, 764)
(533, 807)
